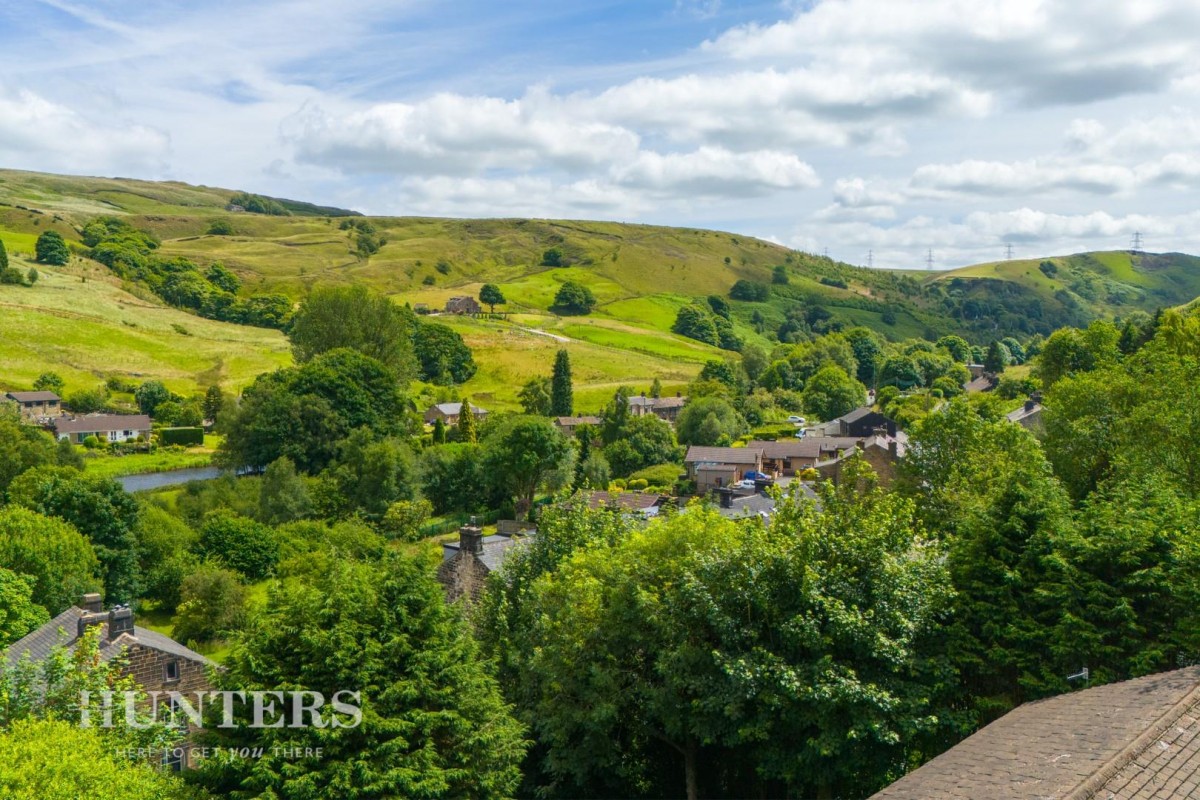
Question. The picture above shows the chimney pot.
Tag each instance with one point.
(1029, 404)
(120, 620)
(91, 602)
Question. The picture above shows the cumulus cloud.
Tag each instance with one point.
(37, 133)
(714, 171)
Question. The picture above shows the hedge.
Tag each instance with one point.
(183, 436)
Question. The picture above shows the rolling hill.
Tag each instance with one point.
(641, 276)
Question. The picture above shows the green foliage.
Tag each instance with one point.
(220, 227)
(150, 395)
(98, 508)
(212, 605)
(219, 276)
(185, 437)
(3, 256)
(574, 298)
(642, 442)
(750, 291)
(779, 275)
(552, 257)
(831, 393)
(434, 723)
(453, 479)
(491, 295)
(466, 422)
(49, 382)
(442, 355)
(257, 204)
(997, 358)
(536, 396)
(22, 447)
(562, 403)
(1070, 351)
(165, 556)
(594, 471)
(524, 454)
(357, 318)
(18, 613)
(58, 560)
(214, 402)
(405, 519)
(709, 421)
(370, 475)
(660, 474)
(51, 249)
(239, 543)
(87, 401)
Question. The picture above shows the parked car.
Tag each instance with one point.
(743, 484)
(796, 420)
(753, 476)
(800, 434)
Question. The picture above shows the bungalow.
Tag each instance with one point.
(448, 413)
(638, 504)
(464, 304)
(467, 562)
(105, 427)
(36, 405)
(155, 662)
(568, 424)
(790, 456)
(665, 408)
(714, 467)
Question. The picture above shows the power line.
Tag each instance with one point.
(1137, 241)
(825, 252)
(1008, 251)
(929, 259)
(870, 258)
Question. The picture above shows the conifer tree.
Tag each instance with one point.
(439, 431)
(562, 402)
(3, 256)
(466, 423)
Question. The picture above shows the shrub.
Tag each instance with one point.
(636, 484)
(240, 544)
(212, 604)
(181, 436)
(91, 442)
(659, 475)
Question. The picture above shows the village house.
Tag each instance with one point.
(467, 562)
(639, 504)
(752, 504)
(36, 406)
(981, 383)
(791, 456)
(448, 413)
(464, 304)
(105, 427)
(157, 663)
(1133, 740)
(1028, 416)
(881, 452)
(665, 408)
(861, 422)
(568, 424)
(714, 467)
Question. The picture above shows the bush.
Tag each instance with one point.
(636, 484)
(240, 544)
(659, 475)
(404, 519)
(220, 227)
(212, 604)
(91, 442)
(809, 474)
(181, 436)
(574, 298)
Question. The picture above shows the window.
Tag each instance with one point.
(171, 671)
(173, 759)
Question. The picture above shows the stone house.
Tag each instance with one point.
(714, 467)
(105, 427)
(467, 562)
(157, 663)
(462, 305)
(859, 423)
(791, 456)
(35, 406)
(568, 424)
(448, 413)
(665, 408)
(1028, 416)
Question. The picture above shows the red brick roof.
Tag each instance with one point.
(1132, 740)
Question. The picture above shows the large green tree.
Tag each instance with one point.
(490, 293)
(574, 298)
(709, 421)
(524, 454)
(433, 721)
(22, 447)
(53, 554)
(50, 248)
(19, 614)
(830, 393)
(442, 355)
(358, 318)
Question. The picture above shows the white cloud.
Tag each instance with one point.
(714, 171)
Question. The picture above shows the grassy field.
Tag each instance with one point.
(162, 460)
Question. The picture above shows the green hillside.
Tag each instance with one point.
(641, 276)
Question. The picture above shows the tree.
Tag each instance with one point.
(165, 545)
(18, 613)
(52, 554)
(831, 393)
(439, 431)
(453, 479)
(57, 760)
(696, 323)
(709, 421)
(282, 494)
(523, 454)
(433, 721)
(51, 249)
(552, 257)
(645, 441)
(372, 474)
(441, 353)
(357, 318)
(22, 447)
(212, 605)
(656, 388)
(562, 403)
(99, 509)
(574, 298)
(1070, 351)
(901, 372)
(594, 472)
(222, 278)
(957, 347)
(535, 396)
(405, 518)
(779, 275)
(677, 674)
(150, 395)
(214, 402)
(3, 256)
(466, 422)
(49, 382)
(490, 293)
(241, 544)
(750, 291)
(997, 358)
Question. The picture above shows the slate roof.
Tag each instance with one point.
(63, 630)
(452, 409)
(723, 455)
(99, 423)
(856, 414)
(1132, 740)
(629, 501)
(984, 383)
(571, 422)
(658, 402)
(1023, 412)
(808, 447)
(495, 549)
(32, 397)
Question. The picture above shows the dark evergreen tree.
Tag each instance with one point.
(562, 401)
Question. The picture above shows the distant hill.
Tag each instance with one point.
(640, 274)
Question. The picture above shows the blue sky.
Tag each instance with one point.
(889, 126)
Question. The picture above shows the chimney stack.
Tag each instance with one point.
(725, 496)
(120, 620)
(1029, 404)
(470, 538)
(91, 603)
(88, 619)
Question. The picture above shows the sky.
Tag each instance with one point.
(888, 130)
